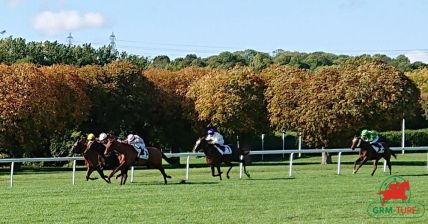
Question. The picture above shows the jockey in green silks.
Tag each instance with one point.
(372, 137)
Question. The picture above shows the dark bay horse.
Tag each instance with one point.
(367, 152)
(215, 158)
(130, 159)
(94, 158)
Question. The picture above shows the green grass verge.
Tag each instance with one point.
(314, 194)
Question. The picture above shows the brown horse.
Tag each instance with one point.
(94, 158)
(215, 158)
(130, 159)
(367, 152)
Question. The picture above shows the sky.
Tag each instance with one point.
(179, 27)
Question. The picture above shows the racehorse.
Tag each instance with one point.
(130, 159)
(367, 152)
(215, 158)
(94, 158)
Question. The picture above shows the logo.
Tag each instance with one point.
(395, 200)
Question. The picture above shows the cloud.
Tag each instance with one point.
(352, 3)
(13, 3)
(417, 56)
(53, 23)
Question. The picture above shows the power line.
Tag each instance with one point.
(207, 49)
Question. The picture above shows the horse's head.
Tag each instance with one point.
(405, 185)
(200, 144)
(79, 146)
(356, 142)
(111, 142)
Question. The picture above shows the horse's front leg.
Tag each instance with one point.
(117, 169)
(212, 171)
(355, 165)
(362, 163)
(374, 166)
(101, 172)
(89, 172)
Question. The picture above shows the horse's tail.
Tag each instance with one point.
(167, 159)
(245, 150)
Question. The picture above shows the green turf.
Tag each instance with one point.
(314, 194)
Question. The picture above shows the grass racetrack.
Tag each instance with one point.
(314, 194)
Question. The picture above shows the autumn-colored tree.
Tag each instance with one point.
(285, 89)
(123, 100)
(231, 100)
(420, 77)
(177, 116)
(334, 103)
(34, 104)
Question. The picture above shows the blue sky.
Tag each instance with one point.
(180, 27)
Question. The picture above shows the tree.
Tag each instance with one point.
(420, 77)
(36, 103)
(161, 61)
(334, 103)
(226, 60)
(176, 111)
(231, 100)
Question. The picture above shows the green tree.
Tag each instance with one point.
(161, 61)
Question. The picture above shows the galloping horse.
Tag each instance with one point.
(130, 158)
(367, 152)
(215, 159)
(94, 158)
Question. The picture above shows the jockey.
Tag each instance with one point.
(372, 137)
(138, 143)
(216, 139)
(102, 138)
(90, 138)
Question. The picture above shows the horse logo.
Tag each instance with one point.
(395, 200)
(395, 190)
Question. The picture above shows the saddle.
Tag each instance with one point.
(143, 153)
(225, 149)
(378, 147)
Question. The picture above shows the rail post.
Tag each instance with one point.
(74, 173)
(338, 162)
(291, 164)
(12, 165)
(187, 167)
(132, 173)
(240, 166)
(384, 165)
(283, 144)
(300, 143)
(403, 135)
(263, 145)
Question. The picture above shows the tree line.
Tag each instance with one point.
(18, 50)
(41, 107)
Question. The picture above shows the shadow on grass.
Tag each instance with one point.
(273, 178)
(414, 175)
(182, 182)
